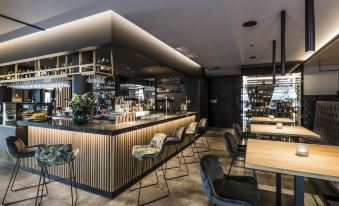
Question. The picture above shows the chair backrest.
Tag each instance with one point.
(326, 121)
(180, 133)
(237, 132)
(210, 171)
(14, 146)
(192, 128)
(230, 144)
(54, 155)
(202, 125)
(158, 141)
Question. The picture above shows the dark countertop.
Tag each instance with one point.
(103, 128)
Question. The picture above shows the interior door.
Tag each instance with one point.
(224, 101)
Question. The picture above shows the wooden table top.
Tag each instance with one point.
(297, 131)
(279, 157)
(274, 120)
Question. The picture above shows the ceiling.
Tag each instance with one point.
(211, 30)
(328, 55)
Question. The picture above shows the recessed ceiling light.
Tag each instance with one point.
(253, 57)
(127, 68)
(151, 70)
(249, 23)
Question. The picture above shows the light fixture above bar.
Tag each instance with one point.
(309, 26)
(282, 42)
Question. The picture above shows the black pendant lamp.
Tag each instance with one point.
(282, 42)
(273, 60)
(309, 26)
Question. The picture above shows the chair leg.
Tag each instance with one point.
(37, 194)
(71, 178)
(11, 185)
(229, 171)
(179, 161)
(140, 181)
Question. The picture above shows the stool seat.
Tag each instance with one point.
(54, 155)
(154, 149)
(171, 140)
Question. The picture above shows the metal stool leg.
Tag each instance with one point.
(179, 161)
(11, 184)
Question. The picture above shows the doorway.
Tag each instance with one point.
(224, 101)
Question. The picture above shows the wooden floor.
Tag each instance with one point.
(185, 191)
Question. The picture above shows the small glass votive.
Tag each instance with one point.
(279, 125)
(302, 150)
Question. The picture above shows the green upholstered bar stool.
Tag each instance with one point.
(191, 133)
(201, 131)
(18, 150)
(153, 151)
(56, 155)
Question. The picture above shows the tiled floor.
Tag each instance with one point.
(185, 191)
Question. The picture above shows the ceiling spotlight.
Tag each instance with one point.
(253, 57)
(249, 23)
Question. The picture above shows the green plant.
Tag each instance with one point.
(82, 102)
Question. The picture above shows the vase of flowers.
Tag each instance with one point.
(82, 106)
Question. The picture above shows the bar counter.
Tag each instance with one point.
(104, 163)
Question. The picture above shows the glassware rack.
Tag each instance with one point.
(260, 98)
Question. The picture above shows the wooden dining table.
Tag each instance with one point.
(272, 120)
(280, 158)
(294, 131)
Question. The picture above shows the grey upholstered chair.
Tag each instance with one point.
(18, 150)
(240, 135)
(177, 140)
(233, 149)
(226, 190)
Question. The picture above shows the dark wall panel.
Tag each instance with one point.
(5, 94)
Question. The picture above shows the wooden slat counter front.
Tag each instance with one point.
(104, 163)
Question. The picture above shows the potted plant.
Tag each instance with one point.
(82, 106)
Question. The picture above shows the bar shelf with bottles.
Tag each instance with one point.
(92, 62)
(260, 98)
(171, 90)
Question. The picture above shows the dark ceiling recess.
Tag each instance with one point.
(253, 57)
(282, 42)
(249, 23)
(216, 68)
(309, 26)
(21, 22)
(251, 45)
(273, 60)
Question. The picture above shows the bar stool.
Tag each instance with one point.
(202, 125)
(56, 155)
(152, 151)
(18, 150)
(191, 133)
(177, 139)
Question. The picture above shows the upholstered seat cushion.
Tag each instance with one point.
(243, 188)
(142, 152)
(54, 155)
(172, 140)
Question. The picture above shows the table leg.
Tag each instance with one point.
(299, 190)
(278, 188)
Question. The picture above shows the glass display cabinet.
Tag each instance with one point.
(8, 113)
(261, 98)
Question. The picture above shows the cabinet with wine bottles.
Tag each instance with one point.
(261, 98)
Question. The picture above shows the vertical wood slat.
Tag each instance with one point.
(104, 162)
